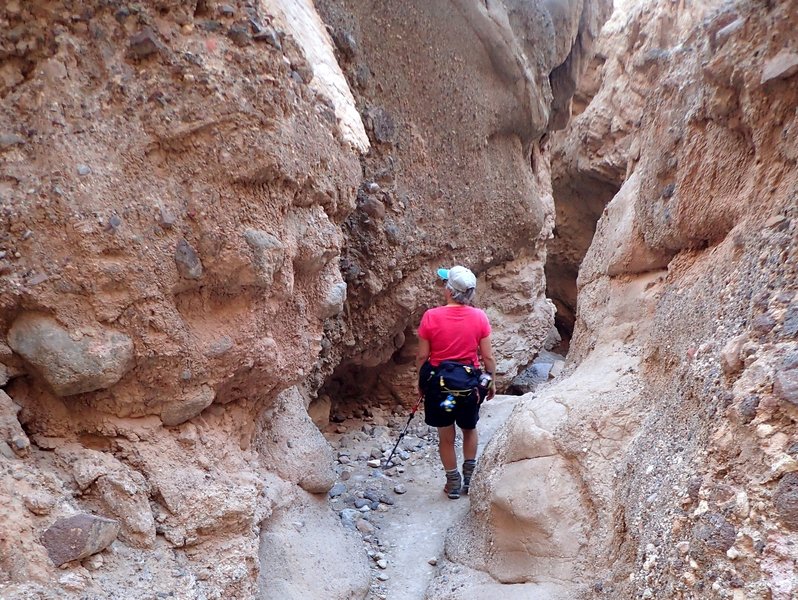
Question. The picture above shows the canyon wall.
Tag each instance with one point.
(200, 223)
(664, 465)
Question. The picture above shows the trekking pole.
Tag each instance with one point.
(404, 431)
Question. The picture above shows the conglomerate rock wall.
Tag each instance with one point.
(665, 465)
(199, 221)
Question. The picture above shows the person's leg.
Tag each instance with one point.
(449, 459)
(446, 447)
(470, 442)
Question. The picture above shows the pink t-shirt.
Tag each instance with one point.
(453, 333)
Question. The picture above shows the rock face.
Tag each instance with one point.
(674, 428)
(208, 208)
(436, 193)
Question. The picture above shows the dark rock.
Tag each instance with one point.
(748, 407)
(226, 10)
(763, 324)
(372, 495)
(270, 36)
(785, 500)
(694, 487)
(785, 386)
(381, 124)
(361, 502)
(790, 325)
(392, 233)
(78, 536)
(143, 44)
(668, 190)
(69, 366)
(346, 44)
(349, 516)
(337, 490)
(337, 418)
(362, 76)
(210, 26)
(167, 218)
(187, 260)
(715, 532)
(114, 222)
(240, 33)
(373, 207)
(386, 500)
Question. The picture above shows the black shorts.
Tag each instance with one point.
(465, 411)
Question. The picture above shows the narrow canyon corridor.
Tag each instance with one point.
(222, 221)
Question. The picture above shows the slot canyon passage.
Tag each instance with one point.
(220, 224)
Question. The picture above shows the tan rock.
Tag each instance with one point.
(293, 446)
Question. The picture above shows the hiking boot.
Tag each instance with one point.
(468, 471)
(453, 484)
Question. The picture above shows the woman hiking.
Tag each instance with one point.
(452, 338)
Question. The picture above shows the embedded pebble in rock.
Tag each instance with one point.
(143, 44)
(84, 170)
(39, 503)
(187, 260)
(78, 536)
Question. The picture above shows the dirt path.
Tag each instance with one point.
(409, 534)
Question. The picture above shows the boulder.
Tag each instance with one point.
(71, 367)
(319, 559)
(293, 445)
(78, 536)
(188, 407)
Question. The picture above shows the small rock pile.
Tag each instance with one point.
(367, 488)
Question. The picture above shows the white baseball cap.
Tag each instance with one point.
(459, 278)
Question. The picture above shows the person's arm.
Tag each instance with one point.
(422, 353)
(486, 351)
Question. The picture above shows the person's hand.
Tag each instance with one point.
(420, 392)
(491, 391)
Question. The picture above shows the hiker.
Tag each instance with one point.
(451, 339)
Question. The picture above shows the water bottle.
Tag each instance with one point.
(485, 380)
(448, 403)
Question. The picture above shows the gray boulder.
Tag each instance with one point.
(69, 366)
